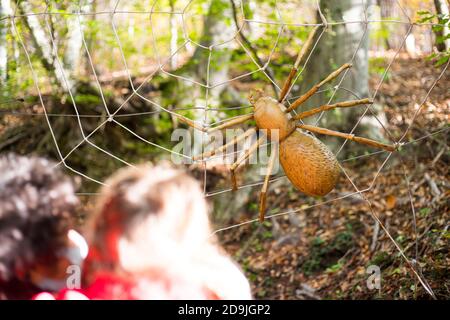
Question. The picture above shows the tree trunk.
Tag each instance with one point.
(442, 8)
(217, 29)
(74, 43)
(5, 9)
(44, 47)
(89, 34)
(173, 36)
(390, 10)
(336, 47)
(182, 93)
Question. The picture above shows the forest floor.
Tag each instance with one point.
(326, 252)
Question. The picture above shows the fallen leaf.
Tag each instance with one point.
(390, 202)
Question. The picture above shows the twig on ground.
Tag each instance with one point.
(376, 230)
(434, 188)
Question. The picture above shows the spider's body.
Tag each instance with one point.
(308, 163)
(270, 115)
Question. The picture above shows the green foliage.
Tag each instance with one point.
(439, 57)
(424, 212)
(327, 255)
(87, 99)
(18, 82)
(381, 259)
(382, 33)
(335, 268)
(443, 20)
(377, 65)
(163, 124)
(252, 206)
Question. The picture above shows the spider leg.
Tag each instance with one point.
(326, 107)
(348, 136)
(314, 89)
(189, 122)
(305, 48)
(231, 123)
(263, 194)
(224, 125)
(222, 148)
(243, 158)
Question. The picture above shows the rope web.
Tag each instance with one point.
(280, 24)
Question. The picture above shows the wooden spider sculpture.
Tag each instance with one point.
(308, 163)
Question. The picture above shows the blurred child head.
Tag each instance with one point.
(37, 204)
(152, 225)
(153, 209)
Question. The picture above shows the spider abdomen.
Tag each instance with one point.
(309, 164)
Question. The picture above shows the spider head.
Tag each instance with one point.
(255, 95)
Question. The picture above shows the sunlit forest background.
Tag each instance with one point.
(93, 85)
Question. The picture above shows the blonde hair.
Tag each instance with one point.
(162, 199)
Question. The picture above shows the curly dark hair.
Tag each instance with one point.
(37, 206)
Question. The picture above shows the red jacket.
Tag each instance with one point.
(108, 286)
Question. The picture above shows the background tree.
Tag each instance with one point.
(340, 44)
(217, 29)
(442, 9)
(5, 9)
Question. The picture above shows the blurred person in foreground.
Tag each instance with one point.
(37, 242)
(150, 238)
